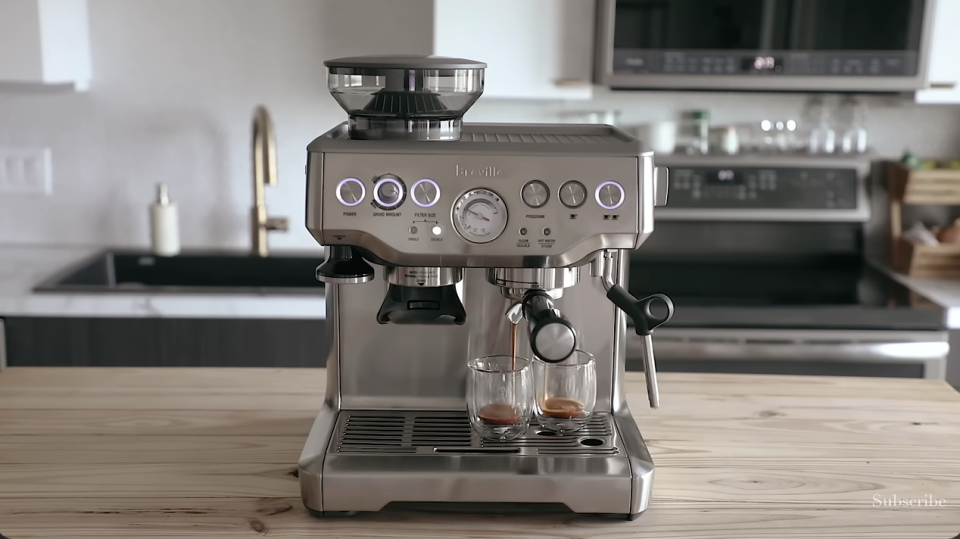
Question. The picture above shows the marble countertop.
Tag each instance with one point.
(23, 267)
(945, 292)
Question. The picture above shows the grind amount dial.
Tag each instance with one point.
(479, 216)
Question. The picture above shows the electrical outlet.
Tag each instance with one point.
(26, 170)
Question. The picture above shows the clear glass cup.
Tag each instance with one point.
(566, 392)
(820, 116)
(852, 118)
(500, 396)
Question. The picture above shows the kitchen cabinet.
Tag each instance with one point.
(165, 342)
(44, 44)
(535, 49)
(943, 72)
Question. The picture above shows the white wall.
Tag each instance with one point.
(175, 85)
(176, 81)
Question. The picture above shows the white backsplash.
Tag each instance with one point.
(175, 85)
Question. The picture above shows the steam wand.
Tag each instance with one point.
(644, 320)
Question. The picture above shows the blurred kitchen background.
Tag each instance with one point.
(102, 100)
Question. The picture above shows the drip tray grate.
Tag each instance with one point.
(449, 432)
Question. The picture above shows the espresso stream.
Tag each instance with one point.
(502, 413)
(513, 346)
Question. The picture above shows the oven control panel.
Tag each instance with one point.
(734, 191)
(732, 187)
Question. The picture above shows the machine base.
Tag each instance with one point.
(365, 460)
(469, 509)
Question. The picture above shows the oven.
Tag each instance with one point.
(787, 45)
(768, 272)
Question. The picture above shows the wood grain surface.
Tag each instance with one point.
(178, 453)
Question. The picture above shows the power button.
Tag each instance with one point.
(351, 192)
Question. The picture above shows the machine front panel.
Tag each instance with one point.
(475, 210)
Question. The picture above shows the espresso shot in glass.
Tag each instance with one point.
(566, 392)
(500, 396)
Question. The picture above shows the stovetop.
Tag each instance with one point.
(824, 292)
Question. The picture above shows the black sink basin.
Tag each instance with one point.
(235, 273)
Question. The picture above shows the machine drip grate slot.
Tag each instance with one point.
(449, 432)
(480, 451)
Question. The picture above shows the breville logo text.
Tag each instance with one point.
(486, 172)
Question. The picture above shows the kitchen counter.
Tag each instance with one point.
(212, 453)
(23, 267)
(945, 292)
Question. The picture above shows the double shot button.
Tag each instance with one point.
(609, 195)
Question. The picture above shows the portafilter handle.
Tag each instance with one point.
(344, 266)
(644, 321)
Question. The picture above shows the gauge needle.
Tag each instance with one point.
(478, 215)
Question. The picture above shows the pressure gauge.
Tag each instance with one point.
(479, 216)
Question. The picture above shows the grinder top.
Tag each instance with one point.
(405, 97)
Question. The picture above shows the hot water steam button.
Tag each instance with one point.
(351, 192)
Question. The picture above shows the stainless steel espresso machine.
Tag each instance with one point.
(435, 231)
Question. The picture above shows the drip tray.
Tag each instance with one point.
(449, 432)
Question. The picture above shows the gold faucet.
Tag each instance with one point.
(264, 173)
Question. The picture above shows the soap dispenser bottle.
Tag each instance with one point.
(164, 225)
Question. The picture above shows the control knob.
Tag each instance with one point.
(573, 194)
(388, 192)
(425, 193)
(351, 192)
(609, 195)
(535, 194)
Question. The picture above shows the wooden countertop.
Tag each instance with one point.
(152, 453)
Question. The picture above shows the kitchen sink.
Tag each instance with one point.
(206, 272)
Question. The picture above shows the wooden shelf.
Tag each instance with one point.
(939, 187)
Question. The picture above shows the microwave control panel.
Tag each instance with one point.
(746, 63)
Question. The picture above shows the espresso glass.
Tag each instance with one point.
(500, 396)
(566, 392)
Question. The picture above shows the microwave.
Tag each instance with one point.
(764, 45)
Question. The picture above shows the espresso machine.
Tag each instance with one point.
(436, 231)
